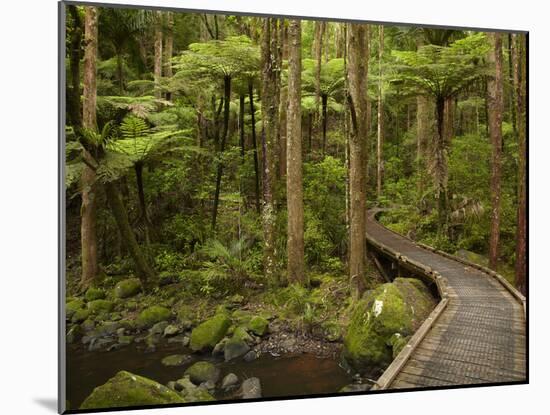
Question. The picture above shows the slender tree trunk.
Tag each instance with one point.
(283, 107)
(73, 95)
(143, 270)
(496, 108)
(241, 126)
(295, 202)
(439, 168)
(520, 86)
(324, 103)
(380, 118)
(158, 55)
(357, 74)
(168, 49)
(143, 215)
(88, 209)
(318, 42)
(270, 93)
(219, 172)
(448, 123)
(254, 145)
(310, 131)
(422, 132)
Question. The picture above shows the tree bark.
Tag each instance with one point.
(144, 220)
(241, 126)
(496, 108)
(439, 167)
(520, 87)
(219, 172)
(295, 202)
(143, 270)
(88, 210)
(422, 139)
(73, 94)
(380, 118)
(357, 74)
(168, 49)
(270, 106)
(158, 55)
(318, 41)
(254, 145)
(283, 107)
(324, 103)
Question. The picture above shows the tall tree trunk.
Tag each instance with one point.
(88, 209)
(283, 106)
(158, 55)
(318, 42)
(440, 171)
(520, 87)
(168, 49)
(380, 118)
(357, 74)
(219, 172)
(270, 106)
(324, 103)
(295, 202)
(241, 126)
(496, 108)
(422, 134)
(73, 94)
(144, 220)
(254, 145)
(448, 120)
(142, 268)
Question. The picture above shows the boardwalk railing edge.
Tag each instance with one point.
(513, 290)
(397, 364)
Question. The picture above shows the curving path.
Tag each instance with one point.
(477, 333)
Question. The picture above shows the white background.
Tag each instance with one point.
(28, 203)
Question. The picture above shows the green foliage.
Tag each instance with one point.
(227, 266)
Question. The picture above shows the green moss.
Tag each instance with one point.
(397, 342)
(126, 389)
(80, 315)
(73, 306)
(258, 325)
(152, 315)
(202, 372)
(393, 308)
(95, 294)
(127, 288)
(100, 306)
(206, 335)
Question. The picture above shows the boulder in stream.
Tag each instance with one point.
(126, 389)
(206, 335)
(399, 307)
(251, 389)
(203, 371)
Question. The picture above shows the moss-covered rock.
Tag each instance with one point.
(203, 372)
(397, 342)
(391, 308)
(152, 315)
(126, 389)
(80, 315)
(72, 307)
(127, 288)
(191, 392)
(237, 345)
(95, 294)
(208, 334)
(258, 325)
(176, 360)
(100, 306)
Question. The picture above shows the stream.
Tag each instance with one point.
(300, 374)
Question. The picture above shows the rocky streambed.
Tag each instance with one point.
(123, 352)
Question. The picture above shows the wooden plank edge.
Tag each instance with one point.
(395, 367)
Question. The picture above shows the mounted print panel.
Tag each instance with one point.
(275, 207)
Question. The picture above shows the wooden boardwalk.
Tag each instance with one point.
(477, 333)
